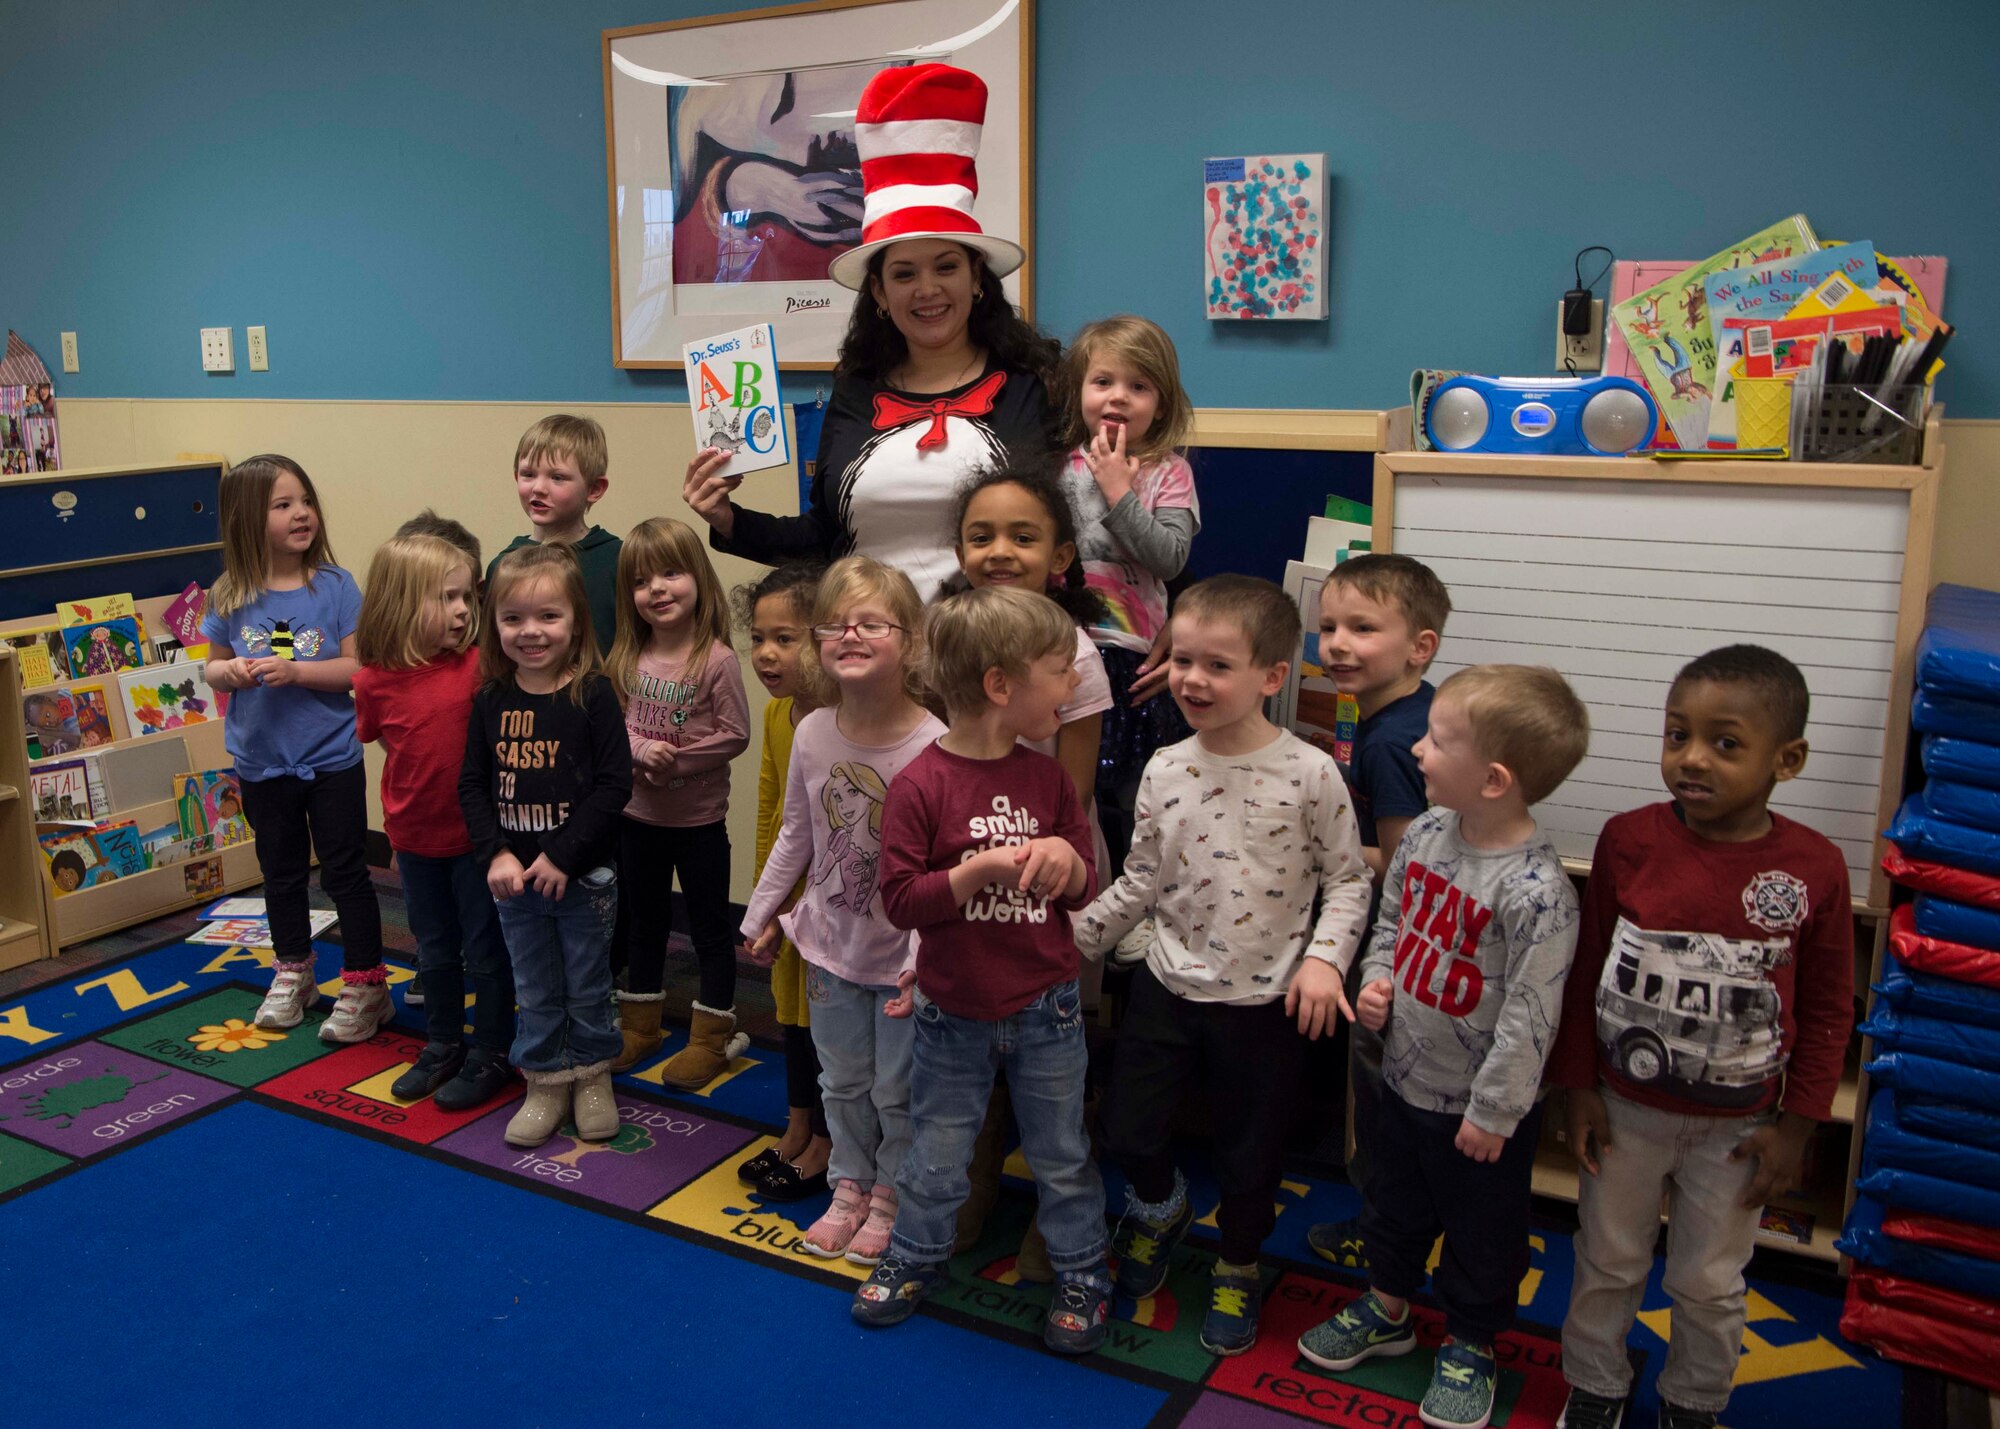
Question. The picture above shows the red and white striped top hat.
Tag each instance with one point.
(918, 129)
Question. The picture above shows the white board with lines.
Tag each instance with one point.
(1618, 583)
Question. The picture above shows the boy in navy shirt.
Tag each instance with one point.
(1380, 620)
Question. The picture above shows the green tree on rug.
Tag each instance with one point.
(628, 1141)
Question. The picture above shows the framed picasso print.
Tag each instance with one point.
(734, 180)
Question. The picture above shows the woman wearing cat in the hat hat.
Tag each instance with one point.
(938, 373)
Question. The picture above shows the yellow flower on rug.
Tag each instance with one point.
(234, 1035)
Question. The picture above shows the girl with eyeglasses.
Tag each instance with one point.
(863, 667)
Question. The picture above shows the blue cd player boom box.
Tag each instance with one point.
(1545, 416)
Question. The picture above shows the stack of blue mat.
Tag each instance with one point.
(1929, 1203)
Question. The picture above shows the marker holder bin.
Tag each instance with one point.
(1843, 422)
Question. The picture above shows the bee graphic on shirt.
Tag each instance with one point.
(1214, 793)
(279, 639)
(1244, 919)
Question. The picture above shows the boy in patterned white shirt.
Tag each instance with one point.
(1465, 971)
(1237, 830)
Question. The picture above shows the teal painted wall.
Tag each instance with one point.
(411, 196)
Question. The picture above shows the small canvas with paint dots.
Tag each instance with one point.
(1264, 236)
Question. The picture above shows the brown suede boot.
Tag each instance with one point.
(639, 1021)
(989, 1152)
(711, 1046)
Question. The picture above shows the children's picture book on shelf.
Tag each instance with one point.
(211, 802)
(50, 716)
(60, 792)
(254, 932)
(86, 855)
(43, 656)
(163, 697)
(93, 715)
(104, 647)
(1782, 1223)
(165, 846)
(202, 877)
(737, 403)
(182, 619)
(29, 441)
(1666, 326)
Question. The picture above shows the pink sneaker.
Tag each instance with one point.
(871, 1242)
(831, 1233)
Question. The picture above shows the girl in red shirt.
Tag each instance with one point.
(413, 693)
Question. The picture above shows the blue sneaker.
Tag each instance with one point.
(1235, 1301)
(1461, 1392)
(1360, 1331)
(1145, 1246)
(890, 1294)
(1077, 1311)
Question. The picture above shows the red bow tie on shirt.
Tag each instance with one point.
(977, 400)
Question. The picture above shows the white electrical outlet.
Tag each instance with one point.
(218, 352)
(1585, 353)
(69, 352)
(260, 355)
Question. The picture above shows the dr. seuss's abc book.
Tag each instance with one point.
(733, 389)
(163, 697)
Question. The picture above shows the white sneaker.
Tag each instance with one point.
(361, 1009)
(293, 993)
(1133, 947)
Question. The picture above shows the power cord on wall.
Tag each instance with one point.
(1576, 315)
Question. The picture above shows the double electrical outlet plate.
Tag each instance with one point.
(218, 350)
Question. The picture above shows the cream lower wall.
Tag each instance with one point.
(378, 463)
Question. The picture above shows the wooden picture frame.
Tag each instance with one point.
(673, 150)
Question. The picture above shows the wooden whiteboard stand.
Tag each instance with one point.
(1432, 483)
(1521, 579)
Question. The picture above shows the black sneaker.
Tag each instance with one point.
(1672, 1416)
(1590, 1411)
(1077, 1312)
(483, 1077)
(437, 1064)
(890, 1294)
(413, 991)
(1145, 1247)
(1339, 1243)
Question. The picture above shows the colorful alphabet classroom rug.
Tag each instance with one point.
(200, 1221)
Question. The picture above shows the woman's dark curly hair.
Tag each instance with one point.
(873, 346)
(1038, 477)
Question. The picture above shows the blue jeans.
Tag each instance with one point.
(458, 942)
(951, 1080)
(864, 1077)
(561, 953)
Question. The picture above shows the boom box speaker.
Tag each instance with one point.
(1554, 416)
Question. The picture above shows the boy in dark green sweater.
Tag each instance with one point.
(559, 474)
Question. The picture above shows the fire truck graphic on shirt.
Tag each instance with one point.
(1692, 1013)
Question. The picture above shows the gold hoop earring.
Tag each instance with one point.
(977, 294)
(880, 311)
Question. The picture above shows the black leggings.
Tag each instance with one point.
(649, 857)
(802, 1076)
(291, 817)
